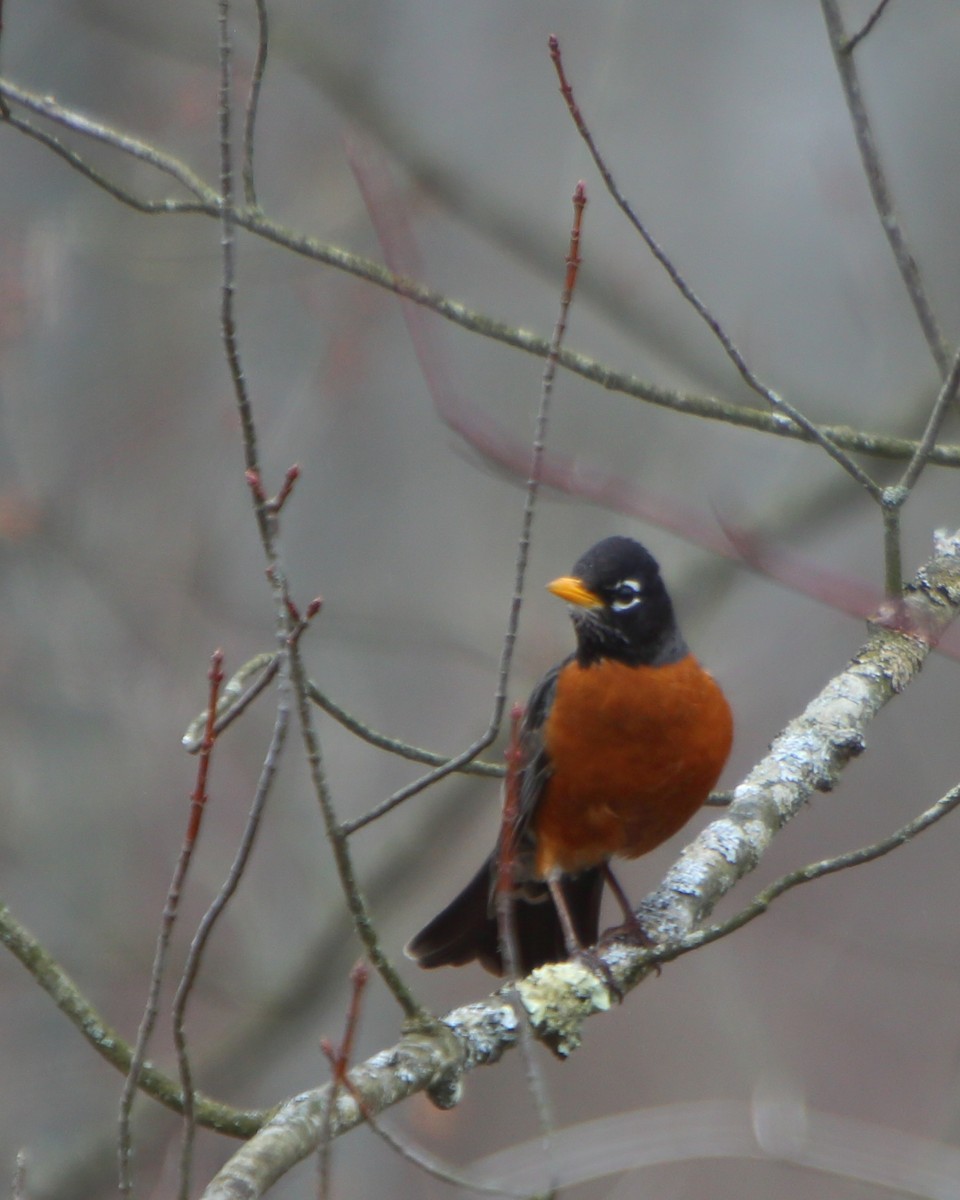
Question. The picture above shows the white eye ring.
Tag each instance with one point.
(626, 595)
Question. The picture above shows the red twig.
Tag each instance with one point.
(300, 623)
(198, 802)
(507, 845)
(255, 483)
(272, 504)
(289, 480)
(573, 255)
(533, 459)
(774, 399)
(199, 798)
(205, 929)
(339, 1059)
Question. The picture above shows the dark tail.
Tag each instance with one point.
(467, 927)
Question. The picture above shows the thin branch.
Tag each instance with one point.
(892, 543)
(253, 106)
(506, 858)
(523, 544)
(776, 401)
(228, 247)
(945, 401)
(895, 497)
(394, 745)
(168, 919)
(356, 904)
(867, 28)
(339, 1059)
(879, 186)
(845, 437)
(828, 866)
(191, 968)
(234, 699)
(77, 122)
(98, 178)
(289, 625)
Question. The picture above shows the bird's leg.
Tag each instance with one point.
(630, 918)
(570, 939)
(632, 929)
(586, 954)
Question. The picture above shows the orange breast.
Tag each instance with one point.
(634, 753)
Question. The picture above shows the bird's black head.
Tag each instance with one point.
(619, 606)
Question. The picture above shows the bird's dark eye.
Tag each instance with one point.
(626, 595)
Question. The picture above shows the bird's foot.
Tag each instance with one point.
(633, 933)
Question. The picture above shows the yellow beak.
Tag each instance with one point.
(573, 591)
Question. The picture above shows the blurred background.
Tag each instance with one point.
(129, 552)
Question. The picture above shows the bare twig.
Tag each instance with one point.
(214, 912)
(776, 401)
(289, 625)
(946, 399)
(879, 186)
(356, 904)
(170, 910)
(530, 500)
(866, 29)
(894, 498)
(97, 177)
(253, 103)
(394, 745)
(828, 866)
(235, 698)
(339, 1059)
(77, 122)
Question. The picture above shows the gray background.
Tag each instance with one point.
(128, 550)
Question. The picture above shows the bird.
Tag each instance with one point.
(619, 745)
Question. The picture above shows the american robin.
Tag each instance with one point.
(620, 744)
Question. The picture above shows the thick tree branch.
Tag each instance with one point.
(808, 756)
